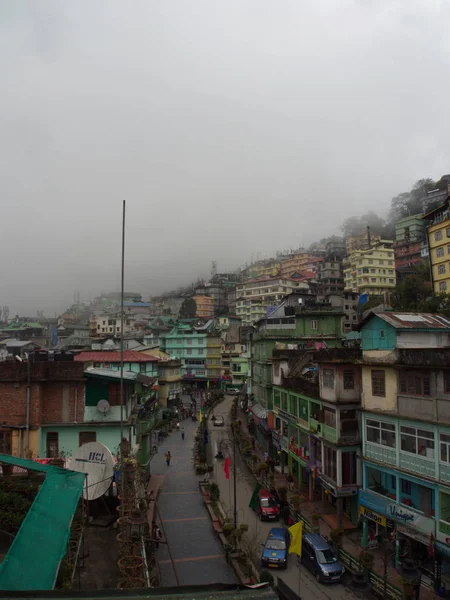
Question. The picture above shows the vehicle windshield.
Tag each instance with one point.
(268, 502)
(326, 557)
(276, 545)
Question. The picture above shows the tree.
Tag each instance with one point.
(188, 309)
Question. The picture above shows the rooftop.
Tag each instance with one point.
(114, 357)
(410, 320)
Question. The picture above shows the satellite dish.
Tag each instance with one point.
(96, 461)
(103, 406)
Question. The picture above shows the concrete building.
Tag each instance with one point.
(362, 241)
(205, 306)
(330, 276)
(438, 236)
(371, 271)
(406, 435)
(257, 297)
(134, 362)
(297, 263)
(170, 382)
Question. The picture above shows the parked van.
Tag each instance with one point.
(268, 508)
(319, 557)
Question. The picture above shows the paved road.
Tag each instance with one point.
(193, 554)
(297, 578)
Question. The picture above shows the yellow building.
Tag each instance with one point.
(298, 263)
(214, 356)
(205, 306)
(371, 271)
(170, 382)
(438, 233)
(264, 268)
(361, 242)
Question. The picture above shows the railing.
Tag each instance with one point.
(329, 433)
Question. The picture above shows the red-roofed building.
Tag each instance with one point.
(136, 362)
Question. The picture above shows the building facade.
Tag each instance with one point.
(371, 271)
(205, 306)
(438, 236)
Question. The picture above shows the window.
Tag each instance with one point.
(438, 235)
(189, 350)
(313, 324)
(445, 447)
(365, 269)
(52, 444)
(370, 261)
(442, 286)
(349, 380)
(373, 279)
(417, 441)
(189, 341)
(329, 417)
(200, 341)
(330, 463)
(87, 436)
(415, 384)
(378, 383)
(328, 378)
(447, 232)
(381, 433)
(393, 482)
(439, 252)
(448, 249)
(405, 486)
(142, 367)
(373, 270)
(5, 442)
(382, 334)
(179, 341)
(447, 382)
(441, 269)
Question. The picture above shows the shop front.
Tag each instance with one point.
(413, 532)
(258, 426)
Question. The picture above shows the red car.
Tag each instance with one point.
(268, 508)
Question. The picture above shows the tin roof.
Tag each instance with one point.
(410, 320)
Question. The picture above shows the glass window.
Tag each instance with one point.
(442, 286)
(438, 235)
(313, 324)
(441, 269)
(439, 252)
(445, 447)
(328, 378)
(417, 441)
(378, 383)
(349, 380)
(414, 384)
(330, 463)
(447, 231)
(330, 417)
(381, 433)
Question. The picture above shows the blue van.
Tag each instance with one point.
(276, 548)
(319, 557)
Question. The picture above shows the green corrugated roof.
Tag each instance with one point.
(33, 559)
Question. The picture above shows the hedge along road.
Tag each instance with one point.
(297, 578)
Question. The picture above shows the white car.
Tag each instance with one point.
(219, 422)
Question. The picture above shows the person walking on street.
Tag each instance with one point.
(168, 458)
(182, 433)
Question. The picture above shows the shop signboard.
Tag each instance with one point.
(372, 515)
(414, 533)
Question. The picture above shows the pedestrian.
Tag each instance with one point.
(168, 458)
(182, 433)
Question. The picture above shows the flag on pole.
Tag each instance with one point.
(226, 467)
(296, 532)
(201, 416)
(254, 499)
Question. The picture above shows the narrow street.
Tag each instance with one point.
(297, 578)
(193, 554)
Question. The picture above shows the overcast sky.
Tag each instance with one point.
(231, 127)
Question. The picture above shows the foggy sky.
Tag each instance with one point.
(231, 127)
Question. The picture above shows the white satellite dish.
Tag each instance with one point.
(103, 406)
(96, 461)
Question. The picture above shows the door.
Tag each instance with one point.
(5, 442)
(425, 499)
(52, 444)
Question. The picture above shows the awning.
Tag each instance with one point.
(259, 411)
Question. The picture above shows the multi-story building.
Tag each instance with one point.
(200, 354)
(438, 236)
(170, 382)
(330, 276)
(263, 268)
(297, 263)
(363, 241)
(109, 323)
(290, 327)
(205, 306)
(215, 373)
(371, 271)
(406, 440)
(316, 424)
(133, 361)
(257, 297)
(409, 236)
(347, 302)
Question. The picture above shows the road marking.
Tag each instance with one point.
(186, 519)
(178, 560)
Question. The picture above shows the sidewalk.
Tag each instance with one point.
(192, 555)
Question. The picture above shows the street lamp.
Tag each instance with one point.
(227, 443)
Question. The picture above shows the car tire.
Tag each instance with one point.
(318, 577)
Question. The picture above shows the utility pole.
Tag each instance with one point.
(28, 408)
(122, 294)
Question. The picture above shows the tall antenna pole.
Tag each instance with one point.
(122, 293)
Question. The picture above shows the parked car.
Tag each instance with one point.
(268, 508)
(276, 548)
(320, 559)
(219, 422)
(233, 391)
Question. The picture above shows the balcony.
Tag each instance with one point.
(329, 433)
